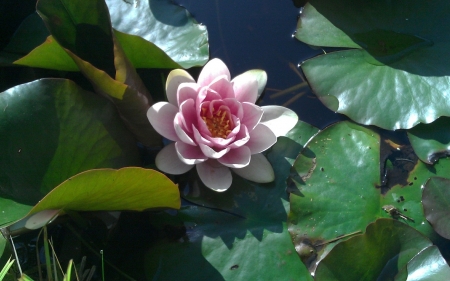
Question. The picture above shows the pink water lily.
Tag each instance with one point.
(216, 126)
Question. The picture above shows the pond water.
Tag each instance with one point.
(246, 34)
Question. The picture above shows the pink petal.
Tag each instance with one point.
(199, 138)
(189, 154)
(214, 175)
(211, 153)
(188, 113)
(220, 142)
(206, 94)
(259, 170)
(175, 78)
(235, 107)
(261, 138)
(252, 115)
(222, 86)
(241, 138)
(236, 158)
(279, 119)
(245, 88)
(167, 161)
(161, 116)
(187, 91)
(181, 133)
(211, 70)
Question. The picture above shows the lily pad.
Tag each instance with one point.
(428, 265)
(436, 204)
(168, 26)
(369, 255)
(50, 130)
(395, 46)
(337, 189)
(222, 230)
(431, 141)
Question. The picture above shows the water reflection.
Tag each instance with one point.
(246, 35)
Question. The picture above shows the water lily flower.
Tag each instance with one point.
(216, 126)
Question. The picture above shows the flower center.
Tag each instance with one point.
(218, 122)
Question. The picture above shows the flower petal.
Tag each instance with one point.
(187, 91)
(181, 133)
(214, 175)
(252, 115)
(211, 70)
(211, 153)
(167, 161)
(175, 78)
(261, 138)
(245, 88)
(161, 116)
(242, 138)
(222, 86)
(259, 75)
(189, 154)
(199, 138)
(188, 113)
(279, 119)
(259, 170)
(236, 158)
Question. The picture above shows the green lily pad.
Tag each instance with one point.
(50, 130)
(156, 21)
(337, 189)
(129, 188)
(428, 265)
(431, 141)
(436, 204)
(224, 229)
(369, 254)
(395, 46)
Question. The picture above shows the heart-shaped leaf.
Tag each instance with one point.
(222, 230)
(395, 46)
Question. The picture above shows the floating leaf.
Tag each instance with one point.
(395, 46)
(428, 265)
(369, 255)
(431, 141)
(436, 204)
(337, 189)
(50, 130)
(220, 235)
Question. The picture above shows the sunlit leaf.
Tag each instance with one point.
(428, 265)
(396, 75)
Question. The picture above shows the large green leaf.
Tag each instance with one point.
(436, 204)
(397, 75)
(369, 255)
(90, 42)
(168, 26)
(337, 188)
(431, 141)
(50, 130)
(239, 234)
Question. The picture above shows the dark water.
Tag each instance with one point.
(248, 34)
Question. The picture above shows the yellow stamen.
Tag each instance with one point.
(218, 122)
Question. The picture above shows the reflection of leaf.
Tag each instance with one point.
(436, 204)
(431, 141)
(222, 237)
(408, 46)
(369, 255)
(337, 175)
(50, 130)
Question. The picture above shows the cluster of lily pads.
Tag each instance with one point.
(359, 200)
